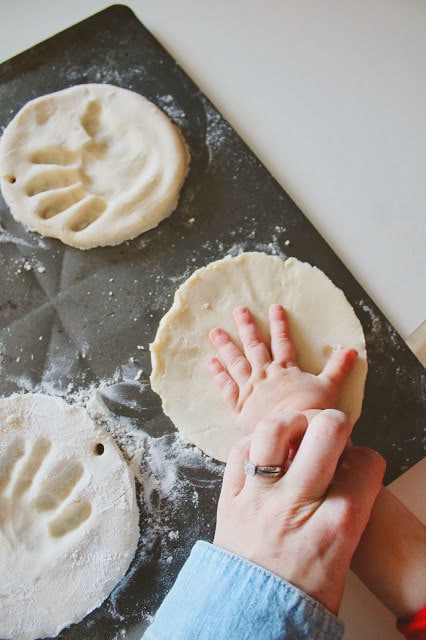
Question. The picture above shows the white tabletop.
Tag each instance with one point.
(330, 95)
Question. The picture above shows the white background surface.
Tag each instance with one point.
(331, 96)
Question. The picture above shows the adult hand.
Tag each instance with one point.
(306, 525)
(260, 382)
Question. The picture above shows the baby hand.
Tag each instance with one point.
(261, 382)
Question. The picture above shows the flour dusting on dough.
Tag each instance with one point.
(172, 477)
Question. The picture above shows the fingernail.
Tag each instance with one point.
(213, 365)
(276, 307)
(241, 311)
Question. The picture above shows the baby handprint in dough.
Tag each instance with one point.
(66, 177)
(36, 495)
(92, 165)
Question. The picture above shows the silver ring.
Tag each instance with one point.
(267, 471)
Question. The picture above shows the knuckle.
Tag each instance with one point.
(216, 368)
(253, 343)
(228, 387)
(335, 415)
(288, 418)
(274, 425)
(269, 430)
(239, 449)
(372, 458)
(348, 516)
(230, 394)
(335, 421)
(225, 381)
(236, 361)
(222, 379)
(267, 425)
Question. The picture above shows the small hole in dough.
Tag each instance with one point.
(99, 449)
(10, 179)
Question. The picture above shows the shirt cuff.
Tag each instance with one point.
(221, 596)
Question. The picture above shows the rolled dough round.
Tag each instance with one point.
(321, 320)
(92, 165)
(68, 516)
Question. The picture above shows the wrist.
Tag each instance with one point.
(306, 593)
(315, 577)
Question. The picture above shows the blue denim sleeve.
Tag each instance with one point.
(221, 596)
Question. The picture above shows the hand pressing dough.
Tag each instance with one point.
(68, 516)
(321, 320)
(92, 165)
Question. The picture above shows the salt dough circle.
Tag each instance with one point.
(68, 516)
(92, 165)
(320, 317)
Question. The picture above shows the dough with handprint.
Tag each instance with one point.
(320, 317)
(68, 516)
(92, 165)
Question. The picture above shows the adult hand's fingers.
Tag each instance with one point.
(234, 476)
(358, 480)
(227, 386)
(272, 438)
(282, 345)
(255, 350)
(231, 356)
(339, 365)
(316, 460)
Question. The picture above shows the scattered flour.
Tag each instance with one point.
(6, 237)
(218, 130)
(168, 104)
(173, 480)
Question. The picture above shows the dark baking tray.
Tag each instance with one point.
(69, 317)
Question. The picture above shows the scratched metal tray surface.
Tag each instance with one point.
(73, 320)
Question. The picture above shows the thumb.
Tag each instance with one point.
(234, 475)
(339, 364)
